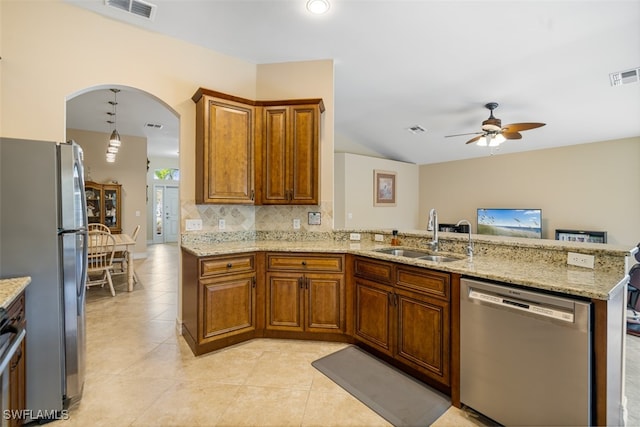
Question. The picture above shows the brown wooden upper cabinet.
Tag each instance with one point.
(291, 155)
(257, 152)
(224, 150)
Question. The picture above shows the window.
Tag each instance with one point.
(167, 174)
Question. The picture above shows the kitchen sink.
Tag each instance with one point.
(412, 253)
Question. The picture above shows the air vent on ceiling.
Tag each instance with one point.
(135, 7)
(153, 125)
(416, 129)
(625, 77)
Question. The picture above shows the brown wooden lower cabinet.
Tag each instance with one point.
(17, 365)
(229, 306)
(374, 322)
(219, 300)
(305, 293)
(404, 313)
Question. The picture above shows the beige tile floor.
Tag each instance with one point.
(140, 372)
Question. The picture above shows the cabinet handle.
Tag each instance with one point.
(253, 282)
(306, 284)
(253, 195)
(229, 265)
(300, 282)
(304, 263)
(16, 362)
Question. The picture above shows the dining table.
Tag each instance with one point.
(125, 243)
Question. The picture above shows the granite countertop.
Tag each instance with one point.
(11, 288)
(549, 276)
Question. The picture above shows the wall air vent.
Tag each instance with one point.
(135, 7)
(625, 77)
(416, 129)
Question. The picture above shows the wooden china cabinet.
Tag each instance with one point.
(104, 205)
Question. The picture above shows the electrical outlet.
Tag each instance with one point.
(193, 224)
(221, 224)
(378, 238)
(296, 224)
(580, 260)
(354, 236)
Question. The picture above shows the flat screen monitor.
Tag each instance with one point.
(510, 222)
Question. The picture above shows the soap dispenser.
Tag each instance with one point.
(394, 238)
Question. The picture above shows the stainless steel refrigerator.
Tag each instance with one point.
(43, 235)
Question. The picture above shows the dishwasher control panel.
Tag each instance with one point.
(528, 306)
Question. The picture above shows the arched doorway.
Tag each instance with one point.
(149, 129)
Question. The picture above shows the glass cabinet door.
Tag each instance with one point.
(112, 207)
(94, 203)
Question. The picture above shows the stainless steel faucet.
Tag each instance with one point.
(433, 226)
(470, 244)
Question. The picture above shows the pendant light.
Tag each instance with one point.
(114, 139)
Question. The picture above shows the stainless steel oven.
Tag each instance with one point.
(11, 337)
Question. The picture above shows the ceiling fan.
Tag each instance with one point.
(493, 134)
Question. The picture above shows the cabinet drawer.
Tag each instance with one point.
(379, 271)
(425, 281)
(305, 262)
(227, 264)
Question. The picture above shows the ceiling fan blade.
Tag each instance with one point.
(463, 134)
(474, 139)
(517, 127)
(512, 135)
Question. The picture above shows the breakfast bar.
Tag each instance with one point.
(369, 265)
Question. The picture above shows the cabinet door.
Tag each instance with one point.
(374, 315)
(275, 188)
(228, 306)
(423, 334)
(290, 173)
(93, 194)
(284, 301)
(112, 207)
(324, 302)
(303, 167)
(224, 152)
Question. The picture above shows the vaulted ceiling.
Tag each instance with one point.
(435, 64)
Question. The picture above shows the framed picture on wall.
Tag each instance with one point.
(384, 188)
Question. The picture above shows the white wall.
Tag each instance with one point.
(354, 193)
(128, 170)
(588, 187)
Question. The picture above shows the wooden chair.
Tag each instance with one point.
(100, 250)
(121, 258)
(96, 226)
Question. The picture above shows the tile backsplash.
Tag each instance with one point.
(243, 218)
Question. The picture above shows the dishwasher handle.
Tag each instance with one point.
(521, 305)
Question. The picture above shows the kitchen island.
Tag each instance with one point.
(536, 264)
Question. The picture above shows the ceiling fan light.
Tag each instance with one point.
(496, 140)
(484, 141)
(318, 7)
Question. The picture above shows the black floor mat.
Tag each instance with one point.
(394, 395)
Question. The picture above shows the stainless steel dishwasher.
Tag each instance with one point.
(525, 357)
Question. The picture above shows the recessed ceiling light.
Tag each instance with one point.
(318, 7)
